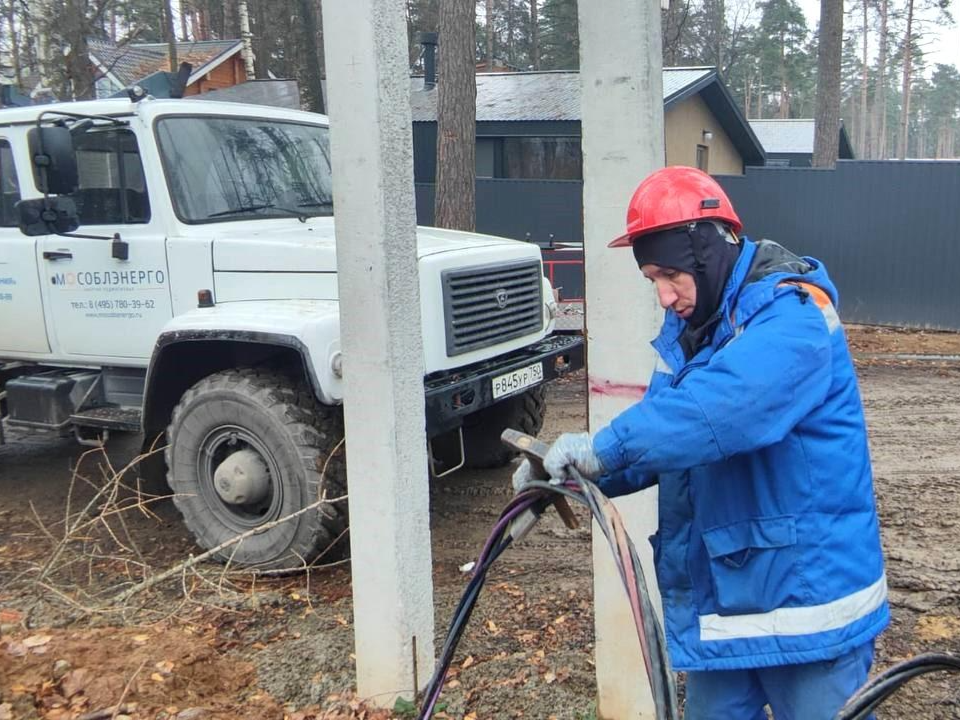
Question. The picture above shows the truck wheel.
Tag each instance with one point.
(247, 447)
(481, 430)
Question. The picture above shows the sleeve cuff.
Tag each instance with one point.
(607, 446)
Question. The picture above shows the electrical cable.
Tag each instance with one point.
(882, 687)
(522, 513)
(516, 520)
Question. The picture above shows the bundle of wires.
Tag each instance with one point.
(516, 520)
(888, 682)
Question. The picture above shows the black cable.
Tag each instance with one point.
(535, 499)
(881, 688)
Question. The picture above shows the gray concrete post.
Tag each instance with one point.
(369, 92)
(622, 118)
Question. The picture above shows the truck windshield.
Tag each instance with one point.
(221, 169)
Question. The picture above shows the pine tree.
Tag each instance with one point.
(784, 61)
(559, 35)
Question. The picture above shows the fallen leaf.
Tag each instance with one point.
(16, 649)
(6, 711)
(35, 641)
(164, 667)
(470, 716)
(141, 639)
(549, 678)
(156, 677)
(75, 682)
(492, 627)
(468, 662)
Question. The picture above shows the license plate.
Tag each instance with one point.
(515, 381)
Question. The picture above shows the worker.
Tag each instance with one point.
(768, 551)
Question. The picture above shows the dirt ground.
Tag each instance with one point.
(212, 643)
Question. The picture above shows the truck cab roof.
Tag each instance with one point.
(150, 108)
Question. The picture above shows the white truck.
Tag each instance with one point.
(169, 267)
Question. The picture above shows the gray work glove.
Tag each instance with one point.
(571, 450)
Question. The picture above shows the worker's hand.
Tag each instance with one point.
(573, 450)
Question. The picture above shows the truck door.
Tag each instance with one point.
(99, 305)
(21, 311)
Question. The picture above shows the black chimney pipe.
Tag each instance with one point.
(429, 40)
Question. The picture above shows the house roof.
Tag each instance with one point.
(130, 63)
(794, 137)
(526, 96)
(555, 96)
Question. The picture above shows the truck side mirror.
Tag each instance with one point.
(47, 216)
(54, 160)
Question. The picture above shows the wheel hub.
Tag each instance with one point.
(242, 478)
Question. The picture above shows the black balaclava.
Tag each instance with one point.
(702, 250)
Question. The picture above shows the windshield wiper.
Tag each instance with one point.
(253, 208)
(317, 203)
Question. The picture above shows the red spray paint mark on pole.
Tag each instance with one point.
(614, 389)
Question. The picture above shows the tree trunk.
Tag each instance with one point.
(511, 48)
(169, 35)
(784, 93)
(262, 52)
(247, 38)
(183, 23)
(456, 118)
(311, 76)
(534, 36)
(203, 24)
(907, 68)
(864, 111)
(760, 95)
(37, 14)
(827, 125)
(488, 27)
(15, 44)
(880, 94)
(79, 72)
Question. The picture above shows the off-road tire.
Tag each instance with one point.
(481, 431)
(296, 432)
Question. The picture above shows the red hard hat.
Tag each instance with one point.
(675, 196)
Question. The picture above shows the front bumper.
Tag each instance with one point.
(452, 395)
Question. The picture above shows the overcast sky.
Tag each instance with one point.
(944, 47)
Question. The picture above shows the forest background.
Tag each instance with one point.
(895, 102)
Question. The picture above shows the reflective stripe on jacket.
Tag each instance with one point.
(768, 551)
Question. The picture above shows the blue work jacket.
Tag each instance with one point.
(768, 550)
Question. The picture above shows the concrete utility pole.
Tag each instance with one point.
(621, 80)
(369, 89)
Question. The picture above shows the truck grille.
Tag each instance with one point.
(490, 304)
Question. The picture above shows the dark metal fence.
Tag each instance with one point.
(888, 231)
(540, 211)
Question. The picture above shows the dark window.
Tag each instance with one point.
(221, 169)
(9, 187)
(703, 157)
(112, 189)
(542, 158)
(486, 157)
